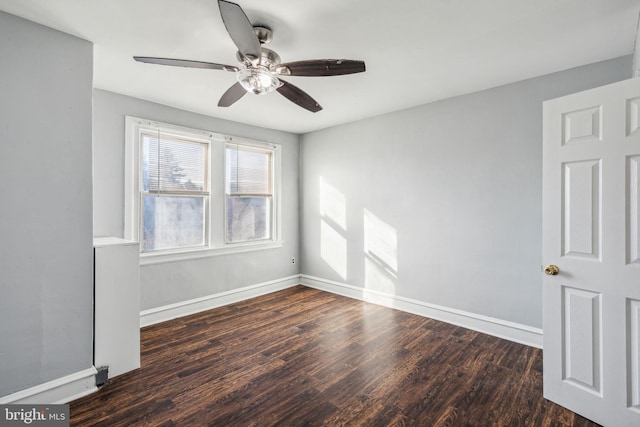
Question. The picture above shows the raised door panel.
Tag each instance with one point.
(582, 342)
(581, 209)
(584, 125)
(633, 213)
(633, 355)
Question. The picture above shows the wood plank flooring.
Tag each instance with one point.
(303, 357)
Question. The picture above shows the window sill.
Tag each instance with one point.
(159, 258)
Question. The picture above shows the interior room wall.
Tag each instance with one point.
(440, 203)
(174, 282)
(46, 255)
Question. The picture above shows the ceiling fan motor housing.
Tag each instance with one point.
(269, 60)
(264, 33)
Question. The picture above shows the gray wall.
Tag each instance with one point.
(46, 255)
(439, 203)
(163, 284)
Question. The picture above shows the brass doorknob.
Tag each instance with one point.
(551, 270)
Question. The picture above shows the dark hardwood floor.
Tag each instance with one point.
(306, 357)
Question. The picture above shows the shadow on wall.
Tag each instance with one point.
(380, 248)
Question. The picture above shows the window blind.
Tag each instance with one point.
(248, 171)
(174, 165)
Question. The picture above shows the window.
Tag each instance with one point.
(191, 193)
(249, 193)
(174, 191)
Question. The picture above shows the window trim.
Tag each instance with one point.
(215, 225)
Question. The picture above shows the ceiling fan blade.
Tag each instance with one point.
(232, 94)
(321, 67)
(299, 97)
(240, 29)
(185, 63)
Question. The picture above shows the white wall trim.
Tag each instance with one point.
(511, 331)
(60, 390)
(229, 249)
(185, 308)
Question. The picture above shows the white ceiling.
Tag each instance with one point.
(416, 51)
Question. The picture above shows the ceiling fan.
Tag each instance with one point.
(260, 69)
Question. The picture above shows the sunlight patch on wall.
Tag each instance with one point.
(333, 205)
(380, 241)
(333, 227)
(333, 249)
(381, 254)
(378, 278)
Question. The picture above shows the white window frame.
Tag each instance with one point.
(237, 142)
(216, 209)
(204, 194)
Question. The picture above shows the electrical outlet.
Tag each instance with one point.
(293, 260)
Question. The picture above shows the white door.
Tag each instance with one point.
(591, 232)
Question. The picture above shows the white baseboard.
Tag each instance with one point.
(500, 328)
(82, 383)
(516, 332)
(184, 308)
(60, 390)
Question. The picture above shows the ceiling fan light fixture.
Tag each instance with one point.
(258, 81)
